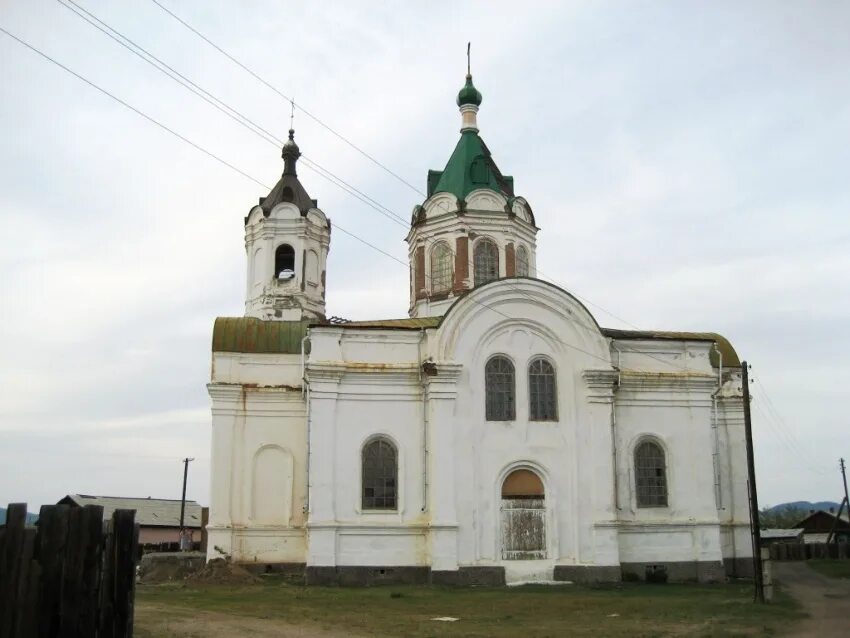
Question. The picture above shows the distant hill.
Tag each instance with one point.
(805, 506)
(31, 518)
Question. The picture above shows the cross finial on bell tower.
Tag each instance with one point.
(468, 59)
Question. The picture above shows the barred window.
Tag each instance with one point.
(650, 475)
(521, 262)
(486, 261)
(441, 267)
(542, 395)
(500, 390)
(380, 475)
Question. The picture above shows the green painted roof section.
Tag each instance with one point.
(469, 168)
(248, 334)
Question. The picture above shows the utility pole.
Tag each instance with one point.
(754, 500)
(845, 502)
(183, 500)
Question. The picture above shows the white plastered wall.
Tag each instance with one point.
(259, 477)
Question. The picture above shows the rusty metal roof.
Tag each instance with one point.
(249, 334)
(730, 357)
(416, 323)
(150, 512)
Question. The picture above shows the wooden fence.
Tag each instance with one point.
(73, 575)
(809, 551)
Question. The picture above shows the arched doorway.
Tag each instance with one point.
(523, 514)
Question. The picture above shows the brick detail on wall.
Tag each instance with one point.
(419, 271)
(461, 263)
(510, 260)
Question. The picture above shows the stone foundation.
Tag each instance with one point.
(588, 574)
(674, 572)
(356, 576)
(738, 567)
(292, 572)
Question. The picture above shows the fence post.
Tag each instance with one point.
(10, 565)
(51, 539)
(767, 574)
(92, 532)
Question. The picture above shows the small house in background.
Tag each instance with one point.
(158, 518)
(817, 526)
(775, 536)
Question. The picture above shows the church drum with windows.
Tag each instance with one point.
(498, 433)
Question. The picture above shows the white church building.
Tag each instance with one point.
(498, 433)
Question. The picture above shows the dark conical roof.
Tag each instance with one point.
(289, 187)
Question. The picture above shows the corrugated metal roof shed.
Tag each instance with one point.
(150, 512)
(775, 534)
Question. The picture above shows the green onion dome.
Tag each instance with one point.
(469, 94)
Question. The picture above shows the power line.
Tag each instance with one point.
(272, 139)
(223, 107)
(267, 136)
(134, 109)
(286, 97)
(346, 140)
(249, 124)
(217, 158)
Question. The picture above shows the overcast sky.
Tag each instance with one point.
(688, 164)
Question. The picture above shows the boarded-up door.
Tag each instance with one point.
(523, 517)
(523, 528)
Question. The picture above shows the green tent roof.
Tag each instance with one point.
(469, 168)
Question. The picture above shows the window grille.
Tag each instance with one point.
(500, 390)
(521, 262)
(441, 267)
(486, 258)
(380, 476)
(284, 259)
(542, 394)
(650, 475)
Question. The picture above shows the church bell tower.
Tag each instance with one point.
(287, 239)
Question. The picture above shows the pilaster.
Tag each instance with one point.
(440, 394)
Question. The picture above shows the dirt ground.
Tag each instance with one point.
(826, 600)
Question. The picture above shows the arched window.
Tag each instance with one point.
(380, 476)
(441, 267)
(650, 475)
(521, 262)
(486, 261)
(284, 259)
(542, 394)
(500, 390)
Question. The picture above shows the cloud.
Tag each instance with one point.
(687, 168)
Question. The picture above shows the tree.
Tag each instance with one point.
(779, 518)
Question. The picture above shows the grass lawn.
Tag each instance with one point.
(831, 567)
(631, 610)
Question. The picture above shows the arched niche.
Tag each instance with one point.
(271, 486)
